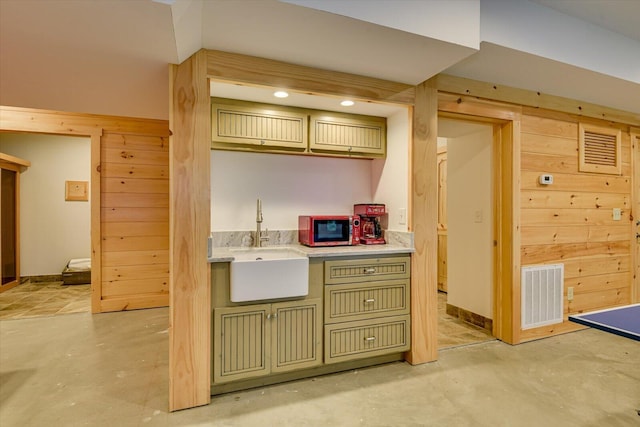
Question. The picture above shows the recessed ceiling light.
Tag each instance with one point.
(347, 103)
(280, 94)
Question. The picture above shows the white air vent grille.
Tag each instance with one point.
(542, 299)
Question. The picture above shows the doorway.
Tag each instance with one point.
(465, 232)
(55, 226)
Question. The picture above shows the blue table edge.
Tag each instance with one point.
(577, 318)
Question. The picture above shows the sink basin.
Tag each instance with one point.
(268, 273)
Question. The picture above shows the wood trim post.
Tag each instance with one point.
(424, 219)
(96, 232)
(507, 263)
(635, 212)
(190, 289)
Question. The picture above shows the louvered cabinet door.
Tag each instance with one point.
(364, 136)
(238, 124)
(241, 342)
(297, 337)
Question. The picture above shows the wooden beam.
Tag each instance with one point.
(237, 68)
(18, 119)
(424, 218)
(459, 85)
(189, 289)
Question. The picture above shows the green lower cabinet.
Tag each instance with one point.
(256, 340)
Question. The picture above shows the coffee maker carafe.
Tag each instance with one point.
(373, 218)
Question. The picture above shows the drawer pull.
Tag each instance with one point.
(370, 270)
(369, 339)
(369, 301)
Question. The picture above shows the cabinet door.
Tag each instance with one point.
(241, 342)
(365, 136)
(236, 124)
(297, 337)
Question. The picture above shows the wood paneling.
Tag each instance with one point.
(114, 259)
(134, 214)
(130, 185)
(571, 221)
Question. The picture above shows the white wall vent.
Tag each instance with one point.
(542, 299)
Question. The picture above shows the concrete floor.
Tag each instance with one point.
(112, 369)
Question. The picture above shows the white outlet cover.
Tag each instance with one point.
(617, 214)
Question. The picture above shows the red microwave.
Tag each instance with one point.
(329, 230)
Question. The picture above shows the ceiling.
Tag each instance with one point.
(68, 49)
(620, 16)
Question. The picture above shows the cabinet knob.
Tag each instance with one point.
(370, 270)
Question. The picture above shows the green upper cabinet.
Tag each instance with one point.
(238, 124)
(250, 126)
(362, 136)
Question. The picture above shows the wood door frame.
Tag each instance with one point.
(635, 212)
(505, 120)
(16, 165)
(36, 122)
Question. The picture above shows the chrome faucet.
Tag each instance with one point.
(260, 236)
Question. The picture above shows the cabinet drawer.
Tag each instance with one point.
(365, 270)
(366, 338)
(366, 300)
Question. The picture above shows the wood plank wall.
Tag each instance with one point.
(571, 221)
(134, 221)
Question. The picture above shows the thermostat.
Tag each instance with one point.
(546, 179)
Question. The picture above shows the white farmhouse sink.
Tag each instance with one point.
(268, 273)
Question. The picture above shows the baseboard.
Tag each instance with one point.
(470, 317)
(43, 278)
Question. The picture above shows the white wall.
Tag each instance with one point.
(292, 185)
(470, 222)
(288, 186)
(390, 176)
(52, 231)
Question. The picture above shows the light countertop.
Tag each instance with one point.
(226, 254)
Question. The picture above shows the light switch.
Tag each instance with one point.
(402, 216)
(477, 216)
(617, 214)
